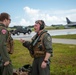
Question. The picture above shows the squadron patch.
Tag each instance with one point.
(48, 38)
(3, 31)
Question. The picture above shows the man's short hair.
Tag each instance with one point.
(4, 16)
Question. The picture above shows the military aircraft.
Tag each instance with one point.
(70, 23)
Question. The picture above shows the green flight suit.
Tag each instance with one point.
(7, 70)
(36, 66)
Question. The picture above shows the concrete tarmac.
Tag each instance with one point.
(54, 32)
(64, 41)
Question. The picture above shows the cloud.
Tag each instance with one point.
(50, 17)
(35, 14)
(30, 10)
(13, 24)
(24, 22)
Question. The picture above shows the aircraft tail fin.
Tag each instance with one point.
(68, 21)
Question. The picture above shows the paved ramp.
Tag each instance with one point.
(64, 41)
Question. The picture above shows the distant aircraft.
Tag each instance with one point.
(70, 23)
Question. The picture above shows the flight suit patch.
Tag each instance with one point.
(3, 31)
(48, 38)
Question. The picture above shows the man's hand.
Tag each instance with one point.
(22, 41)
(6, 63)
(43, 65)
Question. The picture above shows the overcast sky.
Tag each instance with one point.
(26, 12)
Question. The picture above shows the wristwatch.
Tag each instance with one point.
(45, 61)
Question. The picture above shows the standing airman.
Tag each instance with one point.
(40, 49)
(5, 40)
